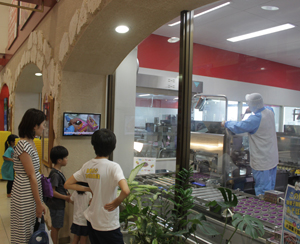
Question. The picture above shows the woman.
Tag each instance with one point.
(26, 202)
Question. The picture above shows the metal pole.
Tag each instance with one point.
(110, 105)
(185, 90)
(184, 102)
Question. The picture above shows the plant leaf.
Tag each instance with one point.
(134, 172)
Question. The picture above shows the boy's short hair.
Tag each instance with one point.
(104, 142)
(58, 152)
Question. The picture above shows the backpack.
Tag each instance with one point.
(39, 235)
(47, 198)
(47, 187)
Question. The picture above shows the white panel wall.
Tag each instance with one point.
(125, 111)
(24, 101)
(236, 91)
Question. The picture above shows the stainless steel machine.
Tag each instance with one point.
(218, 156)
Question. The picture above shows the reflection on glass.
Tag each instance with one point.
(156, 128)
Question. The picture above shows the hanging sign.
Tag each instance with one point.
(149, 167)
(12, 24)
(291, 216)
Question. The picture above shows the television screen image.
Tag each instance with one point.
(81, 124)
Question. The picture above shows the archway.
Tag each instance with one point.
(28, 93)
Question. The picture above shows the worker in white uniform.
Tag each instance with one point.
(262, 142)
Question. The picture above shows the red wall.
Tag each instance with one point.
(4, 94)
(156, 53)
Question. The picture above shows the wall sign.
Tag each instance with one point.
(25, 14)
(149, 167)
(291, 216)
(12, 24)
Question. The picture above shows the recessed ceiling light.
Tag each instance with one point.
(173, 39)
(38, 74)
(262, 68)
(270, 8)
(261, 32)
(122, 29)
(204, 12)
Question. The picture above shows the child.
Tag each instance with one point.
(103, 177)
(81, 200)
(59, 157)
(7, 169)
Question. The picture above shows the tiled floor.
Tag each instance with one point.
(4, 215)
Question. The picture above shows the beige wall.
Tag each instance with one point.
(80, 93)
(23, 102)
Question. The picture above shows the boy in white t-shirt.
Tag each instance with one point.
(103, 177)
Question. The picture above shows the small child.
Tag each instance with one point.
(7, 168)
(104, 177)
(59, 157)
(81, 200)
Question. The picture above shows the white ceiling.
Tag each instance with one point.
(245, 16)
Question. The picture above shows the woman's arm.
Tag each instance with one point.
(29, 169)
(8, 159)
(71, 184)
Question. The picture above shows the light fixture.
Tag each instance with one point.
(38, 74)
(262, 68)
(204, 12)
(261, 32)
(176, 98)
(173, 39)
(138, 146)
(144, 95)
(122, 29)
(270, 8)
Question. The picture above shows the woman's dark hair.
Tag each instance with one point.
(31, 118)
(10, 139)
(82, 184)
(104, 142)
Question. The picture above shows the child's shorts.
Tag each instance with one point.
(57, 218)
(79, 230)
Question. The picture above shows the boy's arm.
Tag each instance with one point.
(60, 196)
(71, 184)
(124, 193)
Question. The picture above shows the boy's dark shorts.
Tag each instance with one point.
(79, 230)
(105, 237)
(57, 218)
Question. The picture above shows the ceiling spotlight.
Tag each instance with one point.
(173, 39)
(122, 29)
(270, 8)
(262, 68)
(38, 74)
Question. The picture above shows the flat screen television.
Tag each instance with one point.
(80, 124)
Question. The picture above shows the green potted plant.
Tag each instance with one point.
(164, 220)
(252, 226)
(132, 205)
